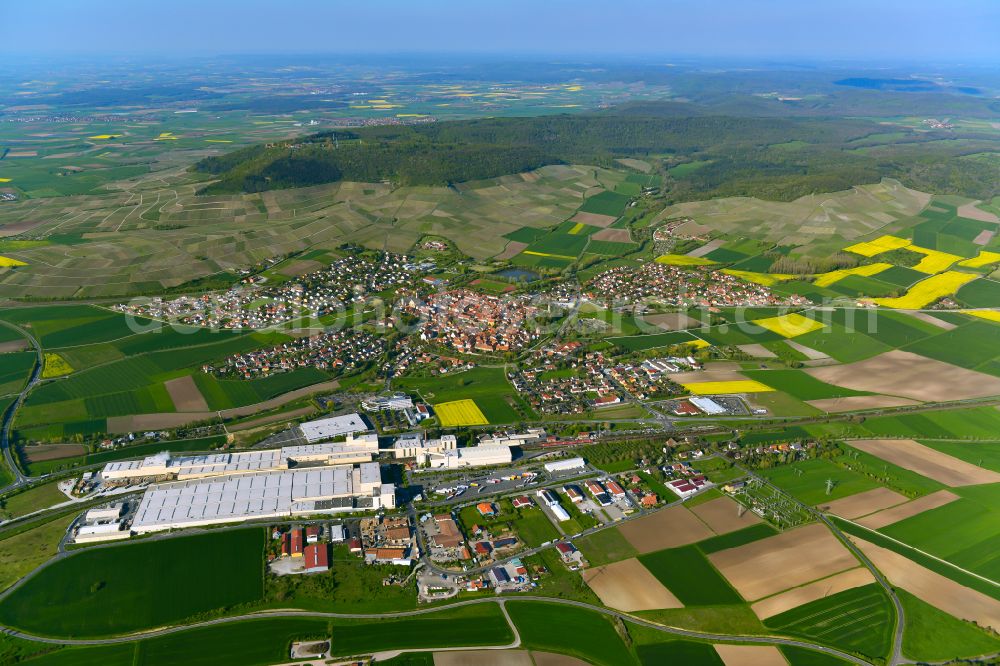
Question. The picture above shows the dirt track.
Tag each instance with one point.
(629, 586)
(935, 589)
(903, 511)
(790, 559)
(927, 462)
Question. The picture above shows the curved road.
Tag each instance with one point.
(684, 633)
(8, 416)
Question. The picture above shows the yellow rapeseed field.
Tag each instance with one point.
(577, 228)
(763, 279)
(826, 279)
(934, 261)
(4, 180)
(55, 366)
(789, 325)
(878, 246)
(683, 260)
(735, 386)
(460, 413)
(546, 254)
(991, 315)
(101, 137)
(927, 291)
(984, 258)
(9, 261)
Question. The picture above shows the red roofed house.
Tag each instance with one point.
(316, 558)
(521, 502)
(312, 534)
(297, 543)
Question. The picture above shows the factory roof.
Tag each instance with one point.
(334, 426)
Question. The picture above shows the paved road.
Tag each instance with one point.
(8, 416)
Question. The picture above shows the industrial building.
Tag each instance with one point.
(470, 456)
(565, 465)
(334, 426)
(414, 445)
(102, 524)
(531, 436)
(272, 494)
(163, 466)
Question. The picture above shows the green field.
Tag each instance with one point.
(965, 532)
(982, 454)
(857, 620)
(797, 656)
(737, 538)
(567, 630)
(690, 576)
(806, 480)
(15, 368)
(604, 547)
(34, 499)
(110, 590)
(678, 652)
(606, 203)
(800, 384)
(487, 386)
(931, 634)
(973, 423)
(22, 551)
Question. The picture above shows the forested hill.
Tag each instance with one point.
(742, 155)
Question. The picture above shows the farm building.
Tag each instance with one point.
(335, 426)
(317, 558)
(573, 493)
(283, 493)
(565, 465)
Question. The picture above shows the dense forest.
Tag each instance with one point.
(742, 155)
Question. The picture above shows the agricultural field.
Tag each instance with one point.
(858, 620)
(94, 592)
(459, 413)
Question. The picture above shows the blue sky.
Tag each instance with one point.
(928, 30)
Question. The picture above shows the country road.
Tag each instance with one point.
(673, 631)
(8, 416)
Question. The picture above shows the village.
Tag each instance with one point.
(342, 352)
(674, 286)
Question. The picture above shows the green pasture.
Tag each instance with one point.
(568, 630)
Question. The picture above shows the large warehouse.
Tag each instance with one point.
(274, 494)
(335, 426)
(471, 456)
(164, 467)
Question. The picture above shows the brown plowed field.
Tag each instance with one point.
(864, 503)
(771, 565)
(798, 596)
(879, 520)
(667, 528)
(629, 586)
(927, 462)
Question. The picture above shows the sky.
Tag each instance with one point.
(896, 30)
